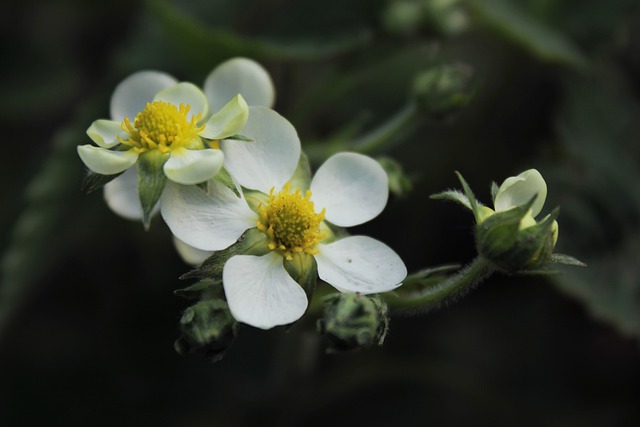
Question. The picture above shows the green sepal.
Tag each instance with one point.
(196, 290)
(301, 177)
(470, 196)
(303, 269)
(252, 242)
(151, 181)
(566, 260)
(224, 178)
(238, 137)
(453, 196)
(353, 321)
(500, 240)
(95, 181)
(494, 191)
(399, 183)
(207, 328)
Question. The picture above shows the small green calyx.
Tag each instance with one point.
(207, 328)
(151, 181)
(353, 321)
(513, 241)
(444, 90)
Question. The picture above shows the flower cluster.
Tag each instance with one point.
(236, 191)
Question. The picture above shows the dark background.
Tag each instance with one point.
(87, 311)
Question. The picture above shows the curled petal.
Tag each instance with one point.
(268, 161)
(189, 167)
(519, 190)
(187, 94)
(360, 264)
(132, 94)
(209, 221)
(261, 293)
(239, 76)
(353, 189)
(230, 120)
(106, 162)
(105, 133)
(121, 195)
(189, 254)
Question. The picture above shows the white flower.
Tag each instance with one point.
(347, 190)
(150, 111)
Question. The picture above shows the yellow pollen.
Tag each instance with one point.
(290, 222)
(161, 126)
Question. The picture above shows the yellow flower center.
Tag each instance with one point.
(161, 126)
(290, 222)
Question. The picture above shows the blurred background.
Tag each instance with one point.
(87, 311)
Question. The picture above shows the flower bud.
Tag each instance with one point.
(353, 321)
(207, 328)
(512, 240)
(443, 91)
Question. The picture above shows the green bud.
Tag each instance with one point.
(513, 241)
(207, 328)
(444, 90)
(353, 321)
(399, 182)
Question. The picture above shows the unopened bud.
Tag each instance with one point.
(513, 241)
(208, 329)
(444, 90)
(353, 321)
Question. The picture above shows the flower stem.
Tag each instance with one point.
(455, 285)
(389, 132)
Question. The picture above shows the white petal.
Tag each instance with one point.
(132, 94)
(121, 195)
(268, 161)
(519, 190)
(187, 94)
(261, 293)
(353, 188)
(230, 120)
(105, 133)
(239, 76)
(189, 167)
(189, 254)
(360, 264)
(106, 162)
(208, 221)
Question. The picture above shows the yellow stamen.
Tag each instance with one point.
(290, 222)
(161, 126)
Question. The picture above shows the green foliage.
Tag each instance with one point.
(599, 126)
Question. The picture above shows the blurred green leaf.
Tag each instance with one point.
(213, 45)
(515, 25)
(598, 191)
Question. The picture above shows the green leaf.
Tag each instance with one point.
(213, 44)
(599, 126)
(515, 25)
(151, 182)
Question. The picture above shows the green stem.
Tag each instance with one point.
(386, 134)
(467, 278)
